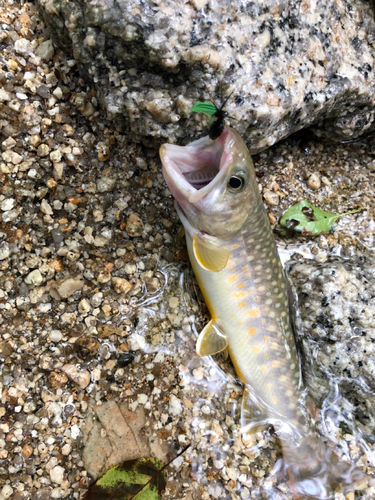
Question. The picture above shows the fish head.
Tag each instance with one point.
(213, 182)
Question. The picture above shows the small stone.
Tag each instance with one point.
(58, 93)
(8, 143)
(58, 169)
(55, 336)
(173, 302)
(271, 198)
(6, 492)
(11, 157)
(43, 150)
(105, 184)
(56, 265)
(34, 278)
(142, 399)
(104, 277)
(27, 451)
(57, 474)
(121, 285)
(79, 376)
(45, 50)
(8, 204)
(46, 208)
(134, 225)
(175, 406)
(63, 289)
(57, 380)
(5, 96)
(66, 449)
(96, 299)
(314, 181)
(4, 250)
(55, 155)
(84, 307)
(23, 47)
(35, 140)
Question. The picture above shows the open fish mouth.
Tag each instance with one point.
(192, 171)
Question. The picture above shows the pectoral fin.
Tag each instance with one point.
(209, 256)
(211, 340)
(253, 419)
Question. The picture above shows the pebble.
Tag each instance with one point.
(79, 376)
(121, 285)
(34, 278)
(96, 299)
(84, 307)
(6, 492)
(45, 51)
(27, 451)
(57, 474)
(271, 198)
(8, 204)
(66, 449)
(65, 288)
(173, 302)
(12, 157)
(55, 336)
(134, 225)
(314, 181)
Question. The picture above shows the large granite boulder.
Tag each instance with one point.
(290, 64)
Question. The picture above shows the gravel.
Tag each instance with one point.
(98, 305)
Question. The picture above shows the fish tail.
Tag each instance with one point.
(315, 471)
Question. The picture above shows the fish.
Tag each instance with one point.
(237, 266)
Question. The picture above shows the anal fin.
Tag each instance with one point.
(211, 340)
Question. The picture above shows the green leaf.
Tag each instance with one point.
(204, 107)
(142, 479)
(310, 219)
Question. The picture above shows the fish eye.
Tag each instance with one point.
(236, 183)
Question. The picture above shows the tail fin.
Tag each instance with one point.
(315, 471)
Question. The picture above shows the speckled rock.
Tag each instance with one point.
(336, 303)
(289, 65)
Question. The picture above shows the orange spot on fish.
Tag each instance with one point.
(233, 247)
(232, 315)
(245, 268)
(232, 279)
(242, 304)
(266, 339)
(240, 285)
(257, 299)
(263, 368)
(256, 350)
(267, 356)
(254, 313)
(274, 364)
(239, 295)
(252, 331)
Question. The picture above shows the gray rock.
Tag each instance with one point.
(289, 65)
(336, 332)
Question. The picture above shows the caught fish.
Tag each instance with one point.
(237, 266)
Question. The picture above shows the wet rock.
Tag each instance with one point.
(173, 56)
(335, 300)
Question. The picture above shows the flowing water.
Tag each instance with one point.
(336, 340)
